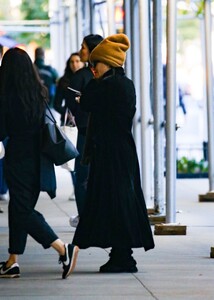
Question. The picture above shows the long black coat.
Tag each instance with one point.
(115, 213)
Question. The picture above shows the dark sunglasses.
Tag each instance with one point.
(94, 63)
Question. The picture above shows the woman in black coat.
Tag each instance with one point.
(73, 64)
(78, 82)
(22, 109)
(115, 213)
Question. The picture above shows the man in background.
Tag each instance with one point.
(47, 73)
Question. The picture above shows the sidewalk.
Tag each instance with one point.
(178, 268)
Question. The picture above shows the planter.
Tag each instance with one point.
(191, 175)
(190, 168)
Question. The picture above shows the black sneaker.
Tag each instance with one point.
(69, 259)
(10, 272)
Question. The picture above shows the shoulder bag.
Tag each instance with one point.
(55, 144)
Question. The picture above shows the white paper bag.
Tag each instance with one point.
(71, 133)
(2, 150)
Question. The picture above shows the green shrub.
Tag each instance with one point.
(185, 165)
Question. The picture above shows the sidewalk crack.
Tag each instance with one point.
(145, 287)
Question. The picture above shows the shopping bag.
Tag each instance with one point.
(2, 150)
(71, 131)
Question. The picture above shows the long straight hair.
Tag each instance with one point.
(19, 78)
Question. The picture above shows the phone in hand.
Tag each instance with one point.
(78, 93)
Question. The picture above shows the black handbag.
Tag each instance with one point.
(55, 144)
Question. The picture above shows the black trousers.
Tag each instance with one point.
(23, 184)
(81, 176)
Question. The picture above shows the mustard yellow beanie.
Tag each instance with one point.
(112, 50)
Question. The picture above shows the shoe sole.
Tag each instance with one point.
(10, 276)
(73, 261)
(134, 270)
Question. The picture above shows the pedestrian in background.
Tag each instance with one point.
(115, 213)
(79, 81)
(73, 64)
(47, 73)
(22, 115)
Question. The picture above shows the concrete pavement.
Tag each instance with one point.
(179, 268)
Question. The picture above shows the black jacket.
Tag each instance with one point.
(25, 167)
(62, 93)
(78, 82)
(115, 213)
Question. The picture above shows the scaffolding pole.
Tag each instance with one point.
(158, 109)
(146, 132)
(209, 88)
(128, 31)
(170, 113)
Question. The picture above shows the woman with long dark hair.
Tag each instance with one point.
(22, 112)
(79, 82)
(73, 64)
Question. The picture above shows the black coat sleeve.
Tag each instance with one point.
(91, 95)
(115, 94)
(78, 82)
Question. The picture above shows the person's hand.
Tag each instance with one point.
(77, 98)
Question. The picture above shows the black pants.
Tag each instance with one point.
(23, 184)
(81, 176)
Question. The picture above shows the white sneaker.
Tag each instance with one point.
(72, 197)
(4, 197)
(74, 220)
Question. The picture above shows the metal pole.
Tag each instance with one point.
(170, 113)
(209, 88)
(135, 54)
(73, 26)
(91, 8)
(79, 24)
(127, 30)
(146, 134)
(111, 21)
(61, 39)
(55, 29)
(67, 47)
(158, 109)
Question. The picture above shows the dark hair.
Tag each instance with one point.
(39, 53)
(1, 50)
(20, 78)
(67, 67)
(92, 40)
(68, 72)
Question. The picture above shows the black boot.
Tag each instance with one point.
(121, 260)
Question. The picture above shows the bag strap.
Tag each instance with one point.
(67, 111)
(51, 117)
